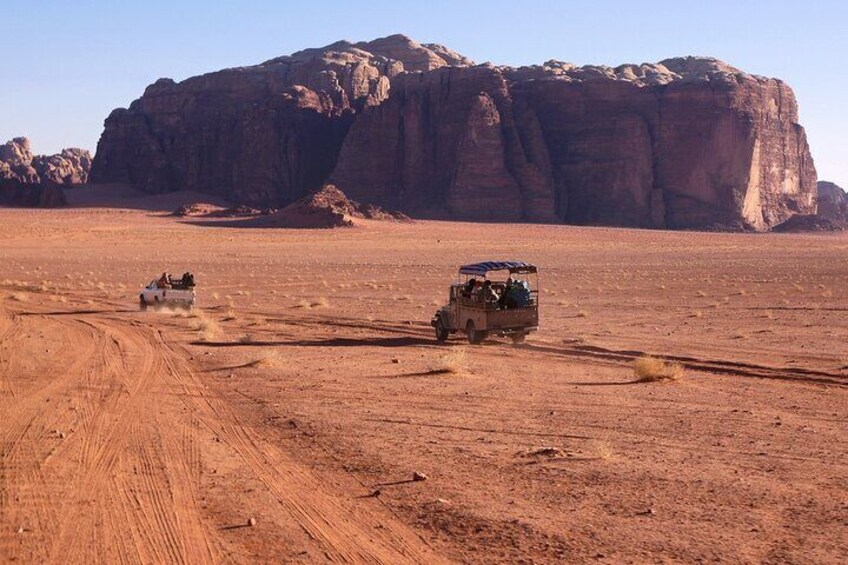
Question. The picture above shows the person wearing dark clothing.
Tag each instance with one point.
(469, 286)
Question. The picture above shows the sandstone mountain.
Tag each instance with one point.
(37, 180)
(684, 143)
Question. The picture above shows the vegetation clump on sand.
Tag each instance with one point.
(651, 369)
(208, 328)
(452, 363)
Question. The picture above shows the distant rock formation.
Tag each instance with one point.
(684, 143)
(37, 180)
(832, 202)
(831, 215)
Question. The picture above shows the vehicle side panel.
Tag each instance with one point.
(512, 318)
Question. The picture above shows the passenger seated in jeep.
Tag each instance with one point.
(516, 294)
(490, 296)
(187, 281)
(468, 287)
(506, 299)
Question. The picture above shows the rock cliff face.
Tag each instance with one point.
(685, 143)
(37, 180)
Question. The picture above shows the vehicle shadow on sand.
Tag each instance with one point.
(405, 341)
(608, 383)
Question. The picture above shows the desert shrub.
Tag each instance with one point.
(453, 362)
(208, 328)
(650, 369)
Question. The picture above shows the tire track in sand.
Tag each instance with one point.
(343, 530)
(126, 482)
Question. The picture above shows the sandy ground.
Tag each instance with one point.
(307, 388)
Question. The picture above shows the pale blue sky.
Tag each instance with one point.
(67, 64)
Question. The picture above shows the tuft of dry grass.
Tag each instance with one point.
(651, 369)
(246, 338)
(320, 302)
(19, 297)
(603, 450)
(454, 362)
(208, 328)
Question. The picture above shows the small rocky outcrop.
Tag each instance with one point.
(326, 208)
(38, 180)
(805, 223)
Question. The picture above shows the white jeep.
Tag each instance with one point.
(175, 294)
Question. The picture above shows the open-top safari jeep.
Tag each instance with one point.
(166, 292)
(482, 306)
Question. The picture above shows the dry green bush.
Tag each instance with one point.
(652, 369)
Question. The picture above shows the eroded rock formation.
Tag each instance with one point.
(832, 202)
(685, 143)
(37, 180)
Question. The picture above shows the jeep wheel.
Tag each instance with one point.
(441, 330)
(474, 336)
(518, 338)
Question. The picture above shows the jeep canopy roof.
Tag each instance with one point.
(480, 269)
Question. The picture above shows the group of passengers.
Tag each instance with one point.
(515, 293)
(166, 281)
